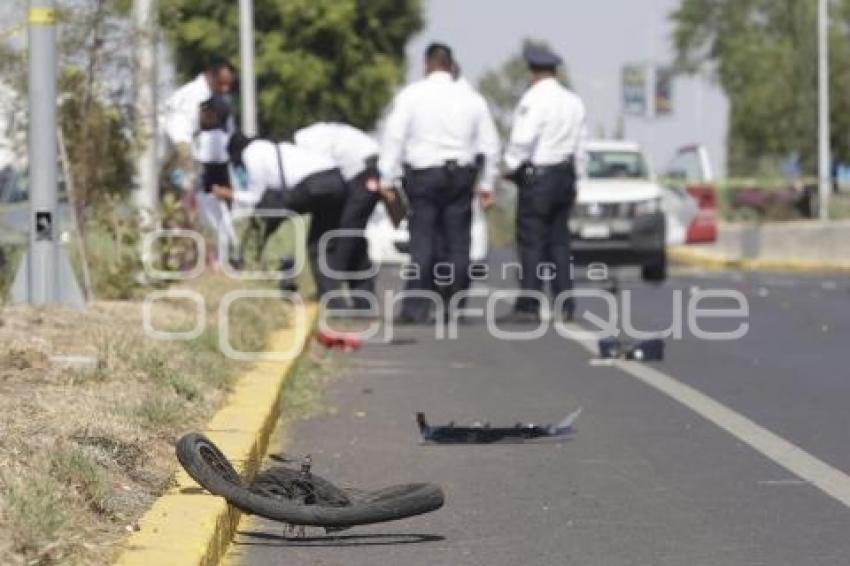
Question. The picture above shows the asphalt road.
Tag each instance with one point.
(645, 481)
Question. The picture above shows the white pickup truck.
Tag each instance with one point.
(622, 215)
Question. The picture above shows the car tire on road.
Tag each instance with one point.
(655, 271)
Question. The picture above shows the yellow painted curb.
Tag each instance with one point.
(189, 527)
(708, 260)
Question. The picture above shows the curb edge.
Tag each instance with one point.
(709, 260)
(188, 526)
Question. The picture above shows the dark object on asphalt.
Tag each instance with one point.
(299, 497)
(485, 434)
(643, 351)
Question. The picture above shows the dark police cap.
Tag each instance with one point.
(541, 57)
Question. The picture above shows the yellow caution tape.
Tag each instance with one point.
(42, 17)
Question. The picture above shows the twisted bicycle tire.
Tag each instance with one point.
(283, 494)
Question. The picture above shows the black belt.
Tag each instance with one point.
(566, 164)
(450, 166)
(527, 172)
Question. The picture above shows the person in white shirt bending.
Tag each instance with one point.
(356, 155)
(285, 177)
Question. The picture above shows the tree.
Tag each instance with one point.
(504, 86)
(316, 59)
(764, 53)
(94, 88)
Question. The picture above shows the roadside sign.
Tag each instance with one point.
(634, 91)
(663, 91)
(647, 90)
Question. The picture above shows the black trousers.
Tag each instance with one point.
(543, 235)
(440, 230)
(214, 174)
(353, 251)
(322, 195)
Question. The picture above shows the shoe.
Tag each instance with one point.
(520, 317)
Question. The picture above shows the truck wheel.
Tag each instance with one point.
(656, 271)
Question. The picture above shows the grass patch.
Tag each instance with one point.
(159, 412)
(71, 466)
(37, 513)
(156, 366)
(303, 396)
(75, 473)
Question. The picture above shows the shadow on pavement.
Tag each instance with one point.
(273, 540)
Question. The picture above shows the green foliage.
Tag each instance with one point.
(315, 60)
(36, 510)
(765, 56)
(113, 241)
(155, 365)
(99, 150)
(159, 412)
(504, 86)
(71, 466)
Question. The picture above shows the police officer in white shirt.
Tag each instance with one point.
(488, 138)
(432, 137)
(198, 122)
(190, 141)
(356, 155)
(283, 176)
(546, 151)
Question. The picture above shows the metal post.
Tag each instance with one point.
(43, 251)
(247, 77)
(146, 195)
(45, 277)
(824, 167)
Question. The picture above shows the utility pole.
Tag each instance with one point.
(247, 77)
(825, 153)
(146, 195)
(45, 276)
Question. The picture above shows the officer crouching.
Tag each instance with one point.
(284, 177)
(545, 151)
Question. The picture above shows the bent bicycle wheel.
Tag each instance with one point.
(282, 494)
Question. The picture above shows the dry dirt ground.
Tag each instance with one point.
(85, 449)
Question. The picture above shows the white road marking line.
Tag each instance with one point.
(828, 479)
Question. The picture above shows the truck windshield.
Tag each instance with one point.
(616, 165)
